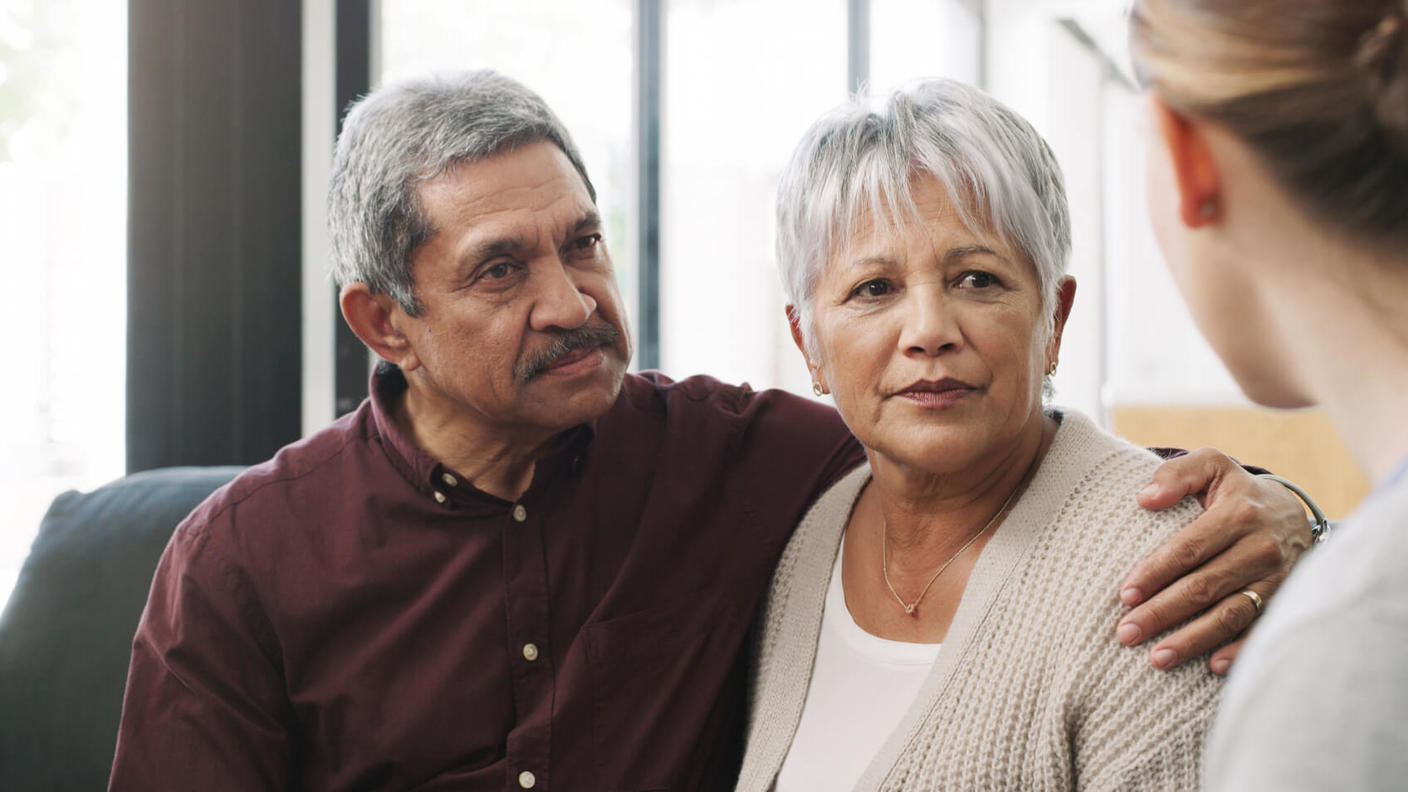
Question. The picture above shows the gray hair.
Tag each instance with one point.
(1000, 176)
(409, 132)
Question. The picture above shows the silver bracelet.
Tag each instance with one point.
(1319, 526)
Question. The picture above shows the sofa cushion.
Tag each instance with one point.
(66, 634)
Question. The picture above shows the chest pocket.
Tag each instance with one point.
(666, 693)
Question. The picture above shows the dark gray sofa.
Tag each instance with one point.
(66, 634)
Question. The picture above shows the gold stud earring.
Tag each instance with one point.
(1052, 371)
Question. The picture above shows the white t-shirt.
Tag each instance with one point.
(861, 687)
(1318, 699)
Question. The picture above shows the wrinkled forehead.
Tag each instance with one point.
(524, 203)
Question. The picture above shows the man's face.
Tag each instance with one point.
(520, 330)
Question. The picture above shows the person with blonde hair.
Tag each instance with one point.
(1279, 193)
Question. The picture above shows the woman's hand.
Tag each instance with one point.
(1253, 530)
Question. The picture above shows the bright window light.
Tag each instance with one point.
(63, 186)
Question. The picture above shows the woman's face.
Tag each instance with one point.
(931, 338)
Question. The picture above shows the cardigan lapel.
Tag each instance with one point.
(1059, 474)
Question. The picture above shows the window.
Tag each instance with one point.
(63, 181)
(743, 81)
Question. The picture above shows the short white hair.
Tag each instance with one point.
(1000, 175)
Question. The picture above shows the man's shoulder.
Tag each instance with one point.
(318, 462)
(701, 412)
(778, 441)
(1104, 463)
(701, 394)
(1088, 484)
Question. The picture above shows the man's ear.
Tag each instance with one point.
(794, 323)
(374, 318)
(1065, 298)
(1195, 170)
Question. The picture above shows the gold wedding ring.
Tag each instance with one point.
(1254, 597)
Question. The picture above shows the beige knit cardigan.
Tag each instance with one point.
(1030, 691)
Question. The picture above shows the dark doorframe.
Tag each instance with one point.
(353, 57)
(214, 230)
(649, 89)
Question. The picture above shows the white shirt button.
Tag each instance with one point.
(530, 652)
(439, 496)
(527, 779)
(451, 480)
(519, 513)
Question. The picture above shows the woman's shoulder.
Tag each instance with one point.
(1087, 530)
(1082, 439)
(1102, 476)
(1045, 588)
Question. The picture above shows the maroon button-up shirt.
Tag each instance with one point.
(353, 615)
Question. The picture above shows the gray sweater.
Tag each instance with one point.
(1318, 699)
(1031, 690)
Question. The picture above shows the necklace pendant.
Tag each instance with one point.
(909, 609)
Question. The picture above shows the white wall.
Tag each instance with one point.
(319, 128)
(1130, 340)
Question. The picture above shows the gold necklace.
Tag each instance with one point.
(885, 557)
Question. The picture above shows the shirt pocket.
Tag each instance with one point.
(667, 695)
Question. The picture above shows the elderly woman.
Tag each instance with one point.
(1279, 191)
(942, 616)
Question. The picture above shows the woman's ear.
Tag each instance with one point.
(1065, 298)
(374, 318)
(1195, 172)
(794, 323)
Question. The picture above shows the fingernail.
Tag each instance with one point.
(1163, 658)
(1128, 633)
(1149, 491)
(1220, 665)
(1130, 595)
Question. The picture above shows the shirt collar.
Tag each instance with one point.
(426, 473)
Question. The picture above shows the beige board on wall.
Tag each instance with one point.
(1300, 445)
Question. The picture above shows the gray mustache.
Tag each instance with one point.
(563, 344)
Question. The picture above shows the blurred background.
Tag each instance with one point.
(163, 166)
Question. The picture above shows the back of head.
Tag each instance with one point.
(406, 133)
(1317, 88)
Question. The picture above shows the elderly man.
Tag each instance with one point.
(515, 565)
